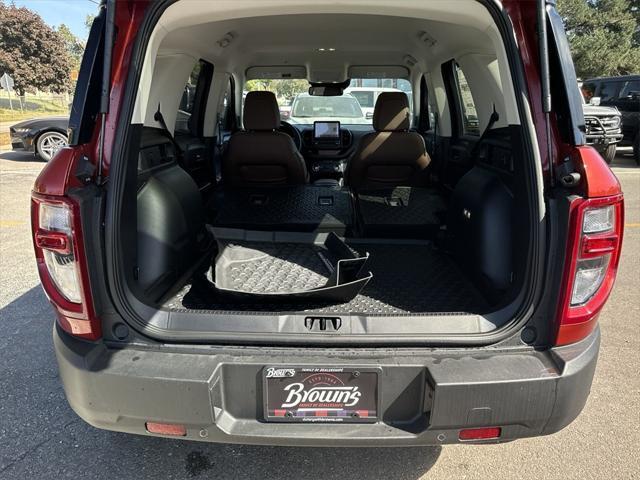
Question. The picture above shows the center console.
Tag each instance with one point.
(326, 148)
(326, 135)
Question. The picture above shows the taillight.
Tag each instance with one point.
(593, 252)
(60, 255)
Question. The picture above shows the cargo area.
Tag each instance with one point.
(406, 277)
(341, 190)
(325, 250)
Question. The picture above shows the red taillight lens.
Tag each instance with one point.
(61, 260)
(593, 252)
(485, 433)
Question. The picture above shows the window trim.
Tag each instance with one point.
(424, 122)
(450, 86)
(203, 85)
(454, 100)
(86, 100)
(462, 110)
(230, 117)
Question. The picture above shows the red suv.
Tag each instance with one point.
(431, 273)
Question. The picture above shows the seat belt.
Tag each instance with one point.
(492, 120)
(218, 152)
(159, 118)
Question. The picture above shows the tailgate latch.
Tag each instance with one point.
(323, 324)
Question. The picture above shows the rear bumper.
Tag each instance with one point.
(426, 396)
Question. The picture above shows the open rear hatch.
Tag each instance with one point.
(200, 259)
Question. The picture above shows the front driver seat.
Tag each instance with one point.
(260, 155)
(392, 155)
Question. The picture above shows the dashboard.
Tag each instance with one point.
(327, 146)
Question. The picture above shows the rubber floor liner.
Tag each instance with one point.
(401, 212)
(325, 269)
(409, 277)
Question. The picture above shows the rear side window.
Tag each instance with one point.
(470, 125)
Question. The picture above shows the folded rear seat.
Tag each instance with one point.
(303, 208)
(400, 212)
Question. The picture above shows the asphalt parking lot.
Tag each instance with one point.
(41, 437)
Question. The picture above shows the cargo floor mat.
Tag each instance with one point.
(299, 268)
(408, 277)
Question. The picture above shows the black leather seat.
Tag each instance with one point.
(392, 155)
(260, 155)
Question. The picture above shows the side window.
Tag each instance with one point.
(609, 91)
(470, 125)
(588, 91)
(630, 91)
(188, 100)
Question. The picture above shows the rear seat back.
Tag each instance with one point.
(392, 155)
(261, 155)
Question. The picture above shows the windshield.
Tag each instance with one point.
(306, 106)
(354, 106)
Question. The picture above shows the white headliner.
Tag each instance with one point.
(295, 40)
(363, 32)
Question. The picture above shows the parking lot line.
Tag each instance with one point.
(11, 223)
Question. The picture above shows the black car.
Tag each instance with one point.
(624, 94)
(43, 136)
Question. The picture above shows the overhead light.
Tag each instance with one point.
(321, 49)
(329, 49)
(410, 60)
(426, 38)
(332, 49)
(226, 40)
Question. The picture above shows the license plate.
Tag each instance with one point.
(320, 394)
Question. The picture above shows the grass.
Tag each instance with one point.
(17, 116)
(32, 106)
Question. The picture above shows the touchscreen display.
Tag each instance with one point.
(326, 130)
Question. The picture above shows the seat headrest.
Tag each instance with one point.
(261, 111)
(391, 113)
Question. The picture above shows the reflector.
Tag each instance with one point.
(166, 429)
(484, 433)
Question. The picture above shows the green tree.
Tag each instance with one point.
(88, 21)
(74, 46)
(32, 52)
(635, 11)
(603, 36)
(284, 89)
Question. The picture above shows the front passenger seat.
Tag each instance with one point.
(260, 155)
(392, 155)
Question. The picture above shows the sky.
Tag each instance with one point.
(70, 12)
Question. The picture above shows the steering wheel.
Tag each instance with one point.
(293, 132)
